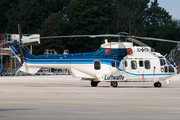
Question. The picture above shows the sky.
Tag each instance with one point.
(171, 6)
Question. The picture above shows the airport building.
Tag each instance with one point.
(9, 63)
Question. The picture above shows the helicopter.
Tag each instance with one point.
(114, 62)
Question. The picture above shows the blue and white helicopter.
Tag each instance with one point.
(114, 62)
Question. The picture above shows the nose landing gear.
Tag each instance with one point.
(157, 84)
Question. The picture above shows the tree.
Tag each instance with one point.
(51, 27)
(159, 24)
(129, 16)
(31, 14)
(87, 17)
(4, 6)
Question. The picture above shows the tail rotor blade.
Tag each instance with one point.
(20, 32)
(20, 42)
(21, 54)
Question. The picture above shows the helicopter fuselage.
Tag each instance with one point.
(115, 61)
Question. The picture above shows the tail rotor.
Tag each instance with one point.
(20, 43)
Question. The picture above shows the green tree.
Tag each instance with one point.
(159, 24)
(51, 27)
(32, 13)
(4, 6)
(87, 17)
(129, 16)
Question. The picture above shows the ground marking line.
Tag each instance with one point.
(95, 105)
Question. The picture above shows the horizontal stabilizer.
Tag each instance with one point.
(31, 70)
(77, 73)
(26, 39)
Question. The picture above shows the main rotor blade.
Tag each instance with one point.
(9, 44)
(70, 36)
(139, 43)
(31, 43)
(155, 39)
(21, 54)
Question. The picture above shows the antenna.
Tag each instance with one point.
(123, 36)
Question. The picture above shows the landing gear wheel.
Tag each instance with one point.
(114, 83)
(157, 84)
(94, 83)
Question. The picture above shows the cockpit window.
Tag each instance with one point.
(171, 69)
(133, 64)
(162, 62)
(165, 69)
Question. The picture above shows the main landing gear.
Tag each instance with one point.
(94, 83)
(114, 83)
(157, 84)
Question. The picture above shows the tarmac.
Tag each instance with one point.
(66, 98)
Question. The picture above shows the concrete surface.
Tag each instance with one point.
(66, 98)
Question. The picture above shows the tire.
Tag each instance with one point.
(94, 84)
(157, 84)
(114, 83)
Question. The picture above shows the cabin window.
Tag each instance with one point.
(133, 64)
(97, 65)
(113, 63)
(162, 62)
(165, 69)
(147, 64)
(141, 64)
(126, 64)
(171, 69)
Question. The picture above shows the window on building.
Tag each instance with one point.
(97, 65)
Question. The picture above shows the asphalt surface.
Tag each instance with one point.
(66, 98)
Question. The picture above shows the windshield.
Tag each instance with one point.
(162, 62)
